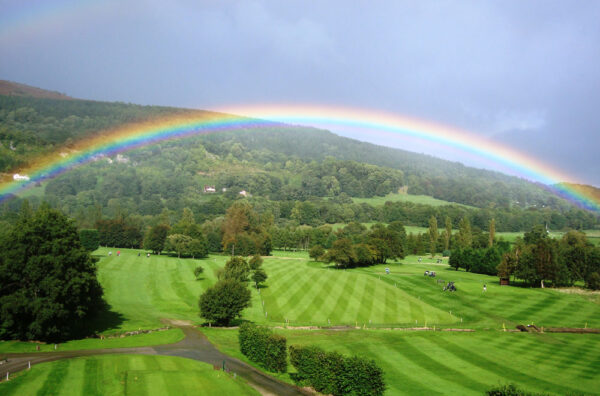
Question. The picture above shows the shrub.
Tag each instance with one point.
(593, 281)
(333, 373)
(198, 271)
(510, 390)
(260, 345)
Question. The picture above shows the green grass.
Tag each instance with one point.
(452, 363)
(155, 338)
(302, 292)
(398, 197)
(145, 290)
(125, 375)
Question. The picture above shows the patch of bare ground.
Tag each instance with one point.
(591, 295)
(177, 322)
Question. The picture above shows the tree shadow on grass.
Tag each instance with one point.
(105, 319)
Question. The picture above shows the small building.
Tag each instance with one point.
(209, 189)
(16, 176)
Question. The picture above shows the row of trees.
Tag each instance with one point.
(538, 259)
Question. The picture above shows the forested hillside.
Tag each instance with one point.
(298, 175)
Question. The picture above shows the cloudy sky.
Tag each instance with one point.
(526, 74)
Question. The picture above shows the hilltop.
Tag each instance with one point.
(11, 88)
(283, 164)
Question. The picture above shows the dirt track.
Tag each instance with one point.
(195, 346)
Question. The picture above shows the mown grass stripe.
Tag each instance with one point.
(390, 313)
(92, 377)
(366, 300)
(395, 373)
(316, 306)
(55, 379)
(492, 366)
(436, 368)
(345, 295)
(302, 297)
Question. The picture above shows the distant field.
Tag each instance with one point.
(125, 375)
(454, 363)
(397, 197)
(592, 235)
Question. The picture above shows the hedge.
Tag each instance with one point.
(261, 346)
(333, 373)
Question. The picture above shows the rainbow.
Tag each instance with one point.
(366, 122)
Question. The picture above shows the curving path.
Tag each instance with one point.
(194, 346)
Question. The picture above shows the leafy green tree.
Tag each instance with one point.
(447, 233)
(198, 271)
(455, 258)
(433, 235)
(255, 262)
(178, 243)
(89, 239)
(198, 248)
(464, 236)
(236, 268)
(387, 243)
(224, 301)
(259, 276)
(316, 252)
(155, 238)
(492, 232)
(341, 253)
(49, 289)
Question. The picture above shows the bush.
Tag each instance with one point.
(510, 390)
(316, 252)
(260, 345)
(333, 373)
(593, 281)
(198, 271)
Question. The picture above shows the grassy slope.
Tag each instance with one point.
(125, 375)
(398, 197)
(427, 363)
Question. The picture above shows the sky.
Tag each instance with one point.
(525, 74)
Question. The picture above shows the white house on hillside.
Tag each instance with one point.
(16, 176)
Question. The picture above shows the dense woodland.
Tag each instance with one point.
(297, 181)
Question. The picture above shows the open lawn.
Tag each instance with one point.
(302, 292)
(453, 363)
(125, 375)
